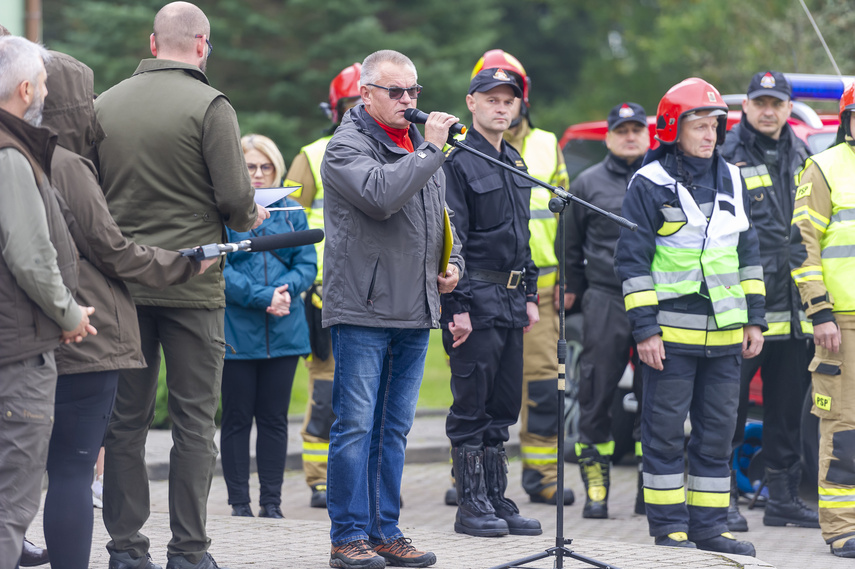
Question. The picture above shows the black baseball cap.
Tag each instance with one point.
(625, 112)
(771, 84)
(491, 78)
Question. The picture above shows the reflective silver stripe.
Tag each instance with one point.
(730, 303)
(778, 316)
(673, 214)
(318, 204)
(837, 252)
(808, 274)
(708, 484)
(802, 315)
(545, 270)
(542, 214)
(680, 320)
(843, 498)
(664, 481)
(723, 279)
(751, 272)
(674, 277)
(316, 452)
(637, 284)
(707, 208)
(752, 171)
(843, 215)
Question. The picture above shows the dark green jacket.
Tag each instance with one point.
(38, 263)
(173, 171)
(106, 256)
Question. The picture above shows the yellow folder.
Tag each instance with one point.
(447, 242)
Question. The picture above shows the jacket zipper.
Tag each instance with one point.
(373, 280)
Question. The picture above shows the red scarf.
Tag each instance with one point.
(400, 136)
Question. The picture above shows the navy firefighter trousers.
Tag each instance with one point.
(708, 389)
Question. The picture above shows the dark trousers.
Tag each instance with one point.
(486, 383)
(260, 389)
(607, 341)
(783, 368)
(708, 389)
(84, 402)
(193, 342)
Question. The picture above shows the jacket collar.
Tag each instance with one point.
(620, 167)
(38, 141)
(477, 141)
(366, 124)
(749, 135)
(148, 65)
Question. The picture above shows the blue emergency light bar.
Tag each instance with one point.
(825, 87)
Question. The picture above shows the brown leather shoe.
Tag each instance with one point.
(401, 553)
(357, 555)
(32, 556)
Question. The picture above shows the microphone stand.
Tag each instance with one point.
(557, 205)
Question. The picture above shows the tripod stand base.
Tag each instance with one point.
(559, 553)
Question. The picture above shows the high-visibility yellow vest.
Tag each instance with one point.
(315, 213)
(690, 251)
(539, 150)
(838, 241)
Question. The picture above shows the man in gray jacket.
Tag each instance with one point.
(37, 310)
(383, 215)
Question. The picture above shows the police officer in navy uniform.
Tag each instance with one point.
(768, 153)
(485, 316)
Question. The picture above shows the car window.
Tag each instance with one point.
(820, 141)
(579, 154)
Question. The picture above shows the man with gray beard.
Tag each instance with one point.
(37, 310)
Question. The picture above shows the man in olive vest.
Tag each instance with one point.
(37, 310)
(174, 175)
(305, 171)
(823, 261)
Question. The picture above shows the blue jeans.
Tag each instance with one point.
(378, 372)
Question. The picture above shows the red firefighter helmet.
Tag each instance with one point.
(496, 58)
(344, 86)
(847, 101)
(690, 95)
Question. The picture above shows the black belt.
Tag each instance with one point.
(511, 279)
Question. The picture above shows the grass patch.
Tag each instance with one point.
(435, 391)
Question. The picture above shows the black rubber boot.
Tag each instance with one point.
(451, 496)
(496, 469)
(726, 543)
(735, 520)
(784, 507)
(595, 475)
(640, 507)
(475, 514)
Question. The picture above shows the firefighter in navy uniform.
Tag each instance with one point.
(539, 420)
(693, 291)
(305, 171)
(607, 335)
(823, 262)
(768, 154)
(484, 318)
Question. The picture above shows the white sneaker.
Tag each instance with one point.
(97, 492)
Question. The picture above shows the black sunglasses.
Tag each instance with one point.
(396, 93)
(207, 41)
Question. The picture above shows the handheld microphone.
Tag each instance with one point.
(421, 117)
(255, 244)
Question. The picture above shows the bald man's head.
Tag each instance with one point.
(176, 25)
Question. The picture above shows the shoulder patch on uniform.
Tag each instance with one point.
(449, 151)
(803, 191)
(519, 163)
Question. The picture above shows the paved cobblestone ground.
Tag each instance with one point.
(302, 540)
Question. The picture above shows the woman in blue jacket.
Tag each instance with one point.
(266, 333)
